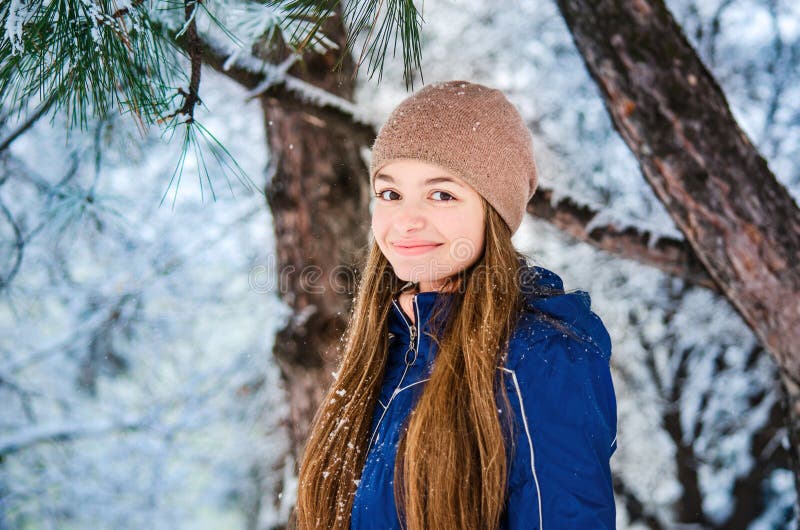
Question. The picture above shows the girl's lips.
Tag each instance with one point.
(416, 250)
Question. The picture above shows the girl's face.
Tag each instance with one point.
(428, 222)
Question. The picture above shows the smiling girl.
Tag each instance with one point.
(473, 392)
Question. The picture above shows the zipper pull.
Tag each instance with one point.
(412, 346)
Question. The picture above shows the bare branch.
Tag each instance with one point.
(19, 246)
(271, 80)
(27, 124)
(673, 256)
(59, 432)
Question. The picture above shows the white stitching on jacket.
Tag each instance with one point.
(398, 390)
(385, 407)
(415, 348)
(530, 442)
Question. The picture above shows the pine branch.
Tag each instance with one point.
(89, 58)
(121, 12)
(194, 47)
(86, 59)
(401, 17)
(266, 79)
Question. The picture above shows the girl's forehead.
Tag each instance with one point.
(416, 172)
(421, 180)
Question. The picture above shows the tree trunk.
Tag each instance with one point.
(741, 222)
(318, 196)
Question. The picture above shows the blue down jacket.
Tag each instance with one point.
(561, 394)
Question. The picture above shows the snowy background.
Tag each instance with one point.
(136, 386)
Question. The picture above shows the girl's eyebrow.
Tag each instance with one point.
(428, 182)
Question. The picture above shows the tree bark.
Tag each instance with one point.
(320, 208)
(319, 200)
(740, 221)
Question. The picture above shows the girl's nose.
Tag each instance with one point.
(409, 219)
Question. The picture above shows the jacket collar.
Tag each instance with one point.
(544, 293)
(423, 305)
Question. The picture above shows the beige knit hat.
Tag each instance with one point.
(472, 131)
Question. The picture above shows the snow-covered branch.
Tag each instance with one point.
(260, 76)
(65, 431)
(607, 231)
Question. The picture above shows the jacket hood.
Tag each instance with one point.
(544, 295)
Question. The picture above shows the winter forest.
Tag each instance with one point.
(158, 365)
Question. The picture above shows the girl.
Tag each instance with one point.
(473, 391)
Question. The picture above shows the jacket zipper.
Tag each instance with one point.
(413, 347)
(413, 342)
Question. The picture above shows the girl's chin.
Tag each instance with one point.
(426, 282)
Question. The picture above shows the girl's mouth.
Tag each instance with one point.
(415, 250)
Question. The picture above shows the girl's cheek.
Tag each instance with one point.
(378, 226)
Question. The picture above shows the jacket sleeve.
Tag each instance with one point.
(565, 412)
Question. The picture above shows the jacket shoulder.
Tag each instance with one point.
(562, 393)
(570, 333)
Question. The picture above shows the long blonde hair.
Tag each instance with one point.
(451, 465)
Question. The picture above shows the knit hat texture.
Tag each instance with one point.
(471, 130)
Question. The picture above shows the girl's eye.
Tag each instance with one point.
(381, 194)
(446, 196)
